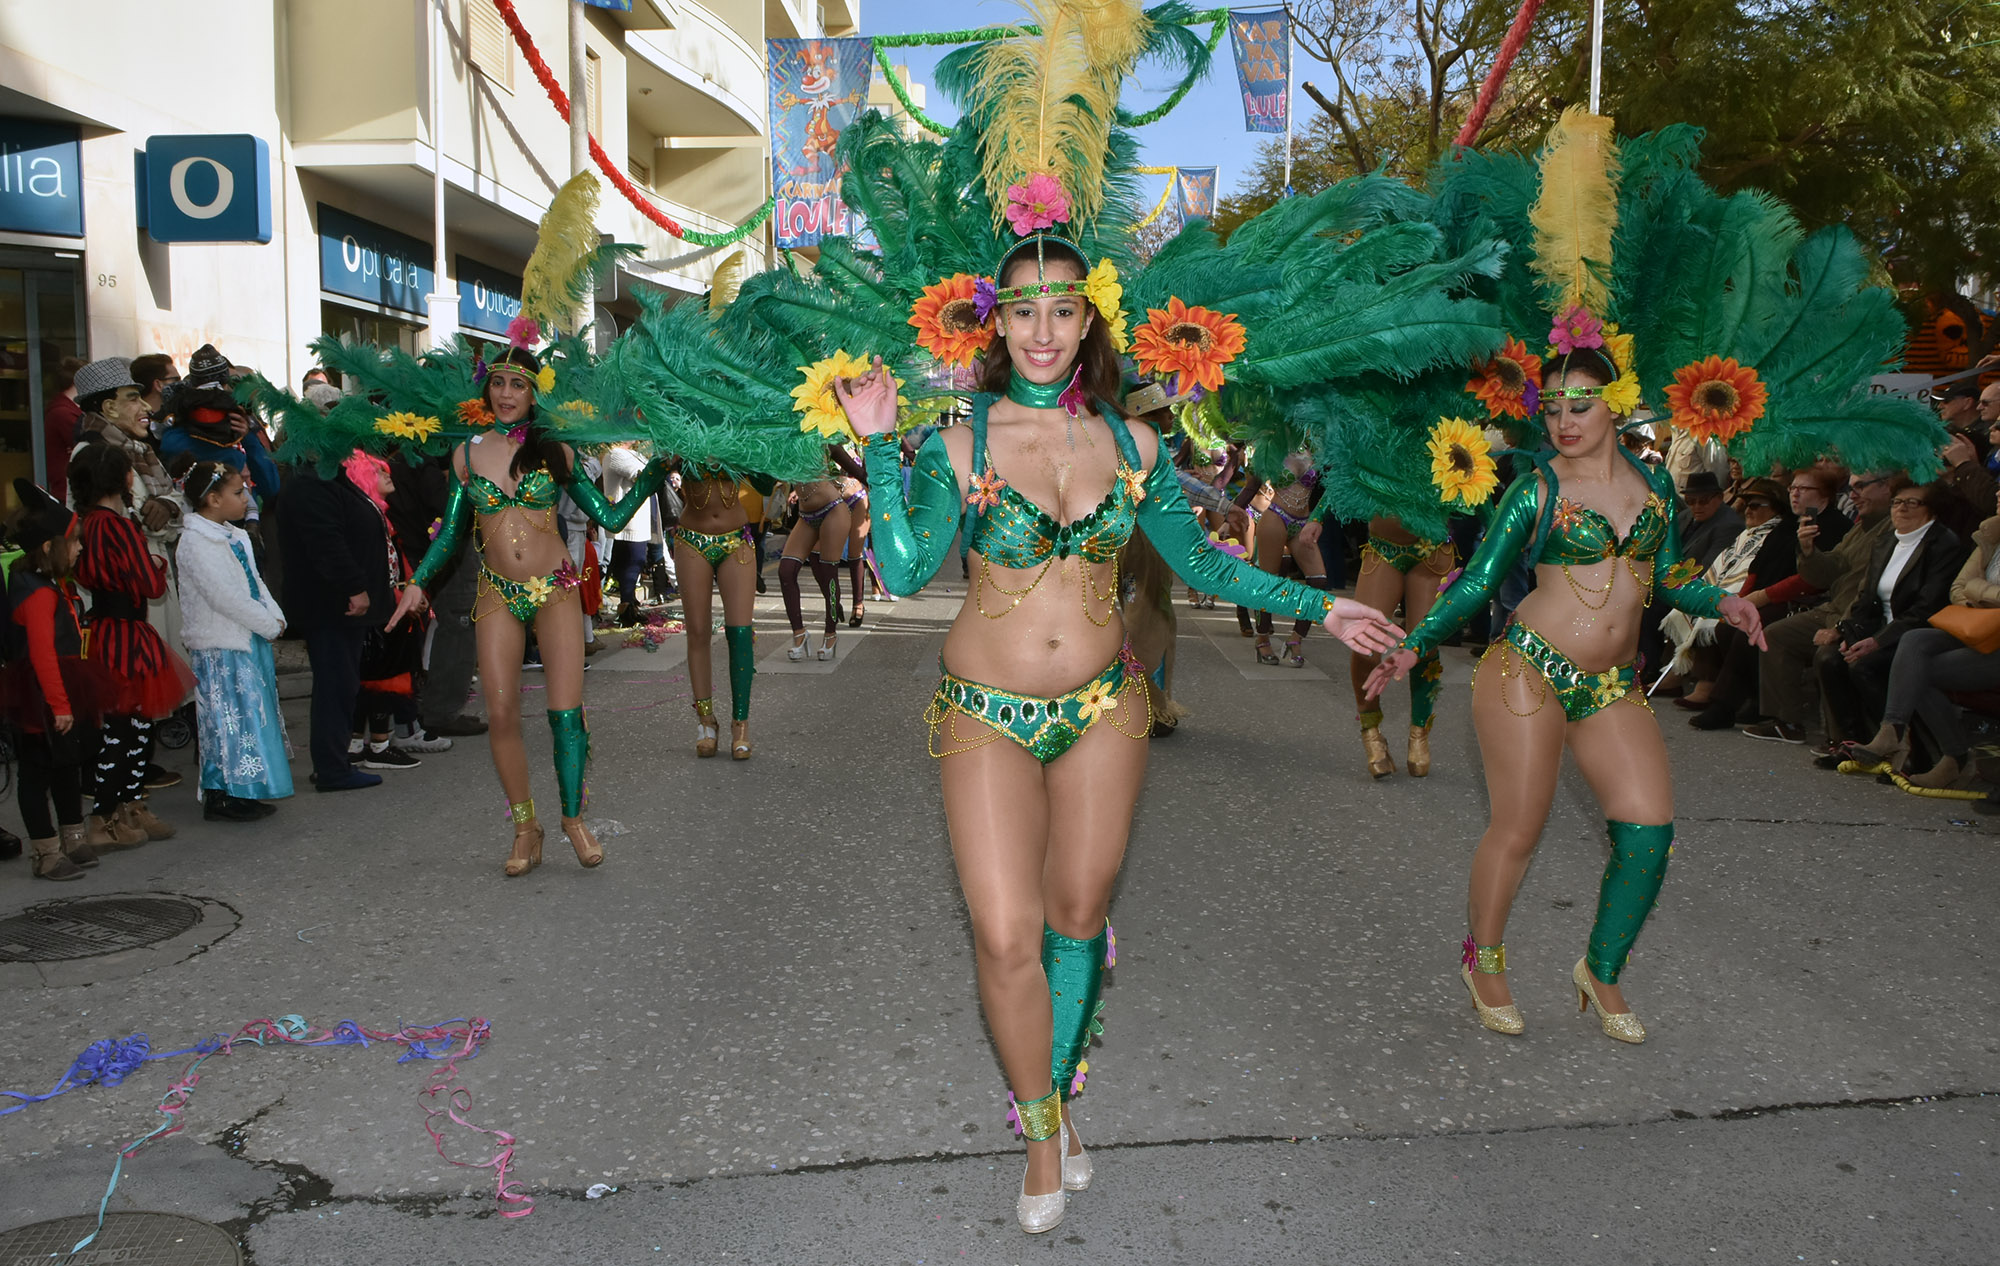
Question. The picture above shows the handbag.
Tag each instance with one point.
(1977, 627)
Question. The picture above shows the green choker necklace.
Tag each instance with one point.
(1035, 395)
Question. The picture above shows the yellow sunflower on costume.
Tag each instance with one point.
(545, 379)
(407, 426)
(1192, 343)
(1108, 297)
(1502, 383)
(1716, 399)
(814, 400)
(1462, 464)
(948, 322)
(1622, 397)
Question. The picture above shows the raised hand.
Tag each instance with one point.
(870, 402)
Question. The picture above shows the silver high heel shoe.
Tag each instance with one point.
(1076, 1169)
(1039, 1214)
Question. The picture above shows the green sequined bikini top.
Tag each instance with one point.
(1012, 531)
(535, 491)
(1579, 535)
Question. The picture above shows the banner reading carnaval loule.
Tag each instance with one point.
(817, 87)
(1197, 191)
(1262, 41)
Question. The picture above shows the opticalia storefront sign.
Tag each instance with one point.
(488, 298)
(360, 259)
(206, 188)
(41, 178)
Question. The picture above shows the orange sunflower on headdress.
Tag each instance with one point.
(1715, 399)
(1191, 342)
(475, 413)
(1502, 384)
(948, 322)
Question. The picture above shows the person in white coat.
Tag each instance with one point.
(229, 619)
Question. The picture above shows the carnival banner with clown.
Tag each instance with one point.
(817, 88)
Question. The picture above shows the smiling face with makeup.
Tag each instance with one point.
(1044, 333)
(1579, 426)
(510, 393)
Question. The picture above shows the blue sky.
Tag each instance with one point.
(1205, 130)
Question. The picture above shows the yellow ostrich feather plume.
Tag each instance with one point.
(728, 279)
(1050, 99)
(1577, 213)
(553, 283)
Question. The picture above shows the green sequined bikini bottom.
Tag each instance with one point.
(1405, 558)
(524, 598)
(716, 549)
(1045, 728)
(1580, 693)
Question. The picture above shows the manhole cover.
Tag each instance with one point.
(88, 926)
(130, 1239)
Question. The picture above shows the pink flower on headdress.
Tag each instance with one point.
(524, 332)
(1036, 203)
(1576, 328)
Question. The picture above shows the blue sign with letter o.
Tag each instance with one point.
(207, 189)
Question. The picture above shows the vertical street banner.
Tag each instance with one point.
(1262, 42)
(817, 87)
(1197, 192)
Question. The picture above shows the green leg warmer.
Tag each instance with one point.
(1631, 885)
(1426, 679)
(742, 667)
(1076, 972)
(572, 739)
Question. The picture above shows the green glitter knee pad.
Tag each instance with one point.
(572, 741)
(1426, 679)
(1631, 886)
(742, 667)
(1076, 974)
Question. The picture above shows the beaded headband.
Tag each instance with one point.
(1038, 290)
(1571, 393)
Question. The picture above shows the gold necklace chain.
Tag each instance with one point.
(1086, 588)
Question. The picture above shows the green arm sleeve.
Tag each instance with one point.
(911, 537)
(1512, 528)
(1680, 578)
(1169, 524)
(591, 500)
(451, 535)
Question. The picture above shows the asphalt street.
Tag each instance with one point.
(755, 1030)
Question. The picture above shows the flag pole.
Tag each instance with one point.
(1596, 54)
(1290, 43)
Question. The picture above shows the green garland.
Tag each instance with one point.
(734, 235)
(987, 34)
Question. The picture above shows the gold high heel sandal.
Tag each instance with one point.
(527, 852)
(1380, 763)
(705, 732)
(739, 740)
(1624, 1026)
(1491, 960)
(588, 850)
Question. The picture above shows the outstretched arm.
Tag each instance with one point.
(592, 501)
(911, 535)
(451, 535)
(1512, 528)
(1169, 524)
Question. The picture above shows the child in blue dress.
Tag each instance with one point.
(229, 621)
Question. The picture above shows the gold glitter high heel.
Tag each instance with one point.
(527, 852)
(1491, 960)
(1624, 1026)
(1419, 761)
(706, 733)
(1380, 763)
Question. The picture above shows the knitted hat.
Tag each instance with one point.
(207, 368)
(104, 375)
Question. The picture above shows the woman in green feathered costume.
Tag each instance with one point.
(1768, 342)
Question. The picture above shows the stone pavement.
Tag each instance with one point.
(758, 1022)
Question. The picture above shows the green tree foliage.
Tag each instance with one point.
(1881, 115)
